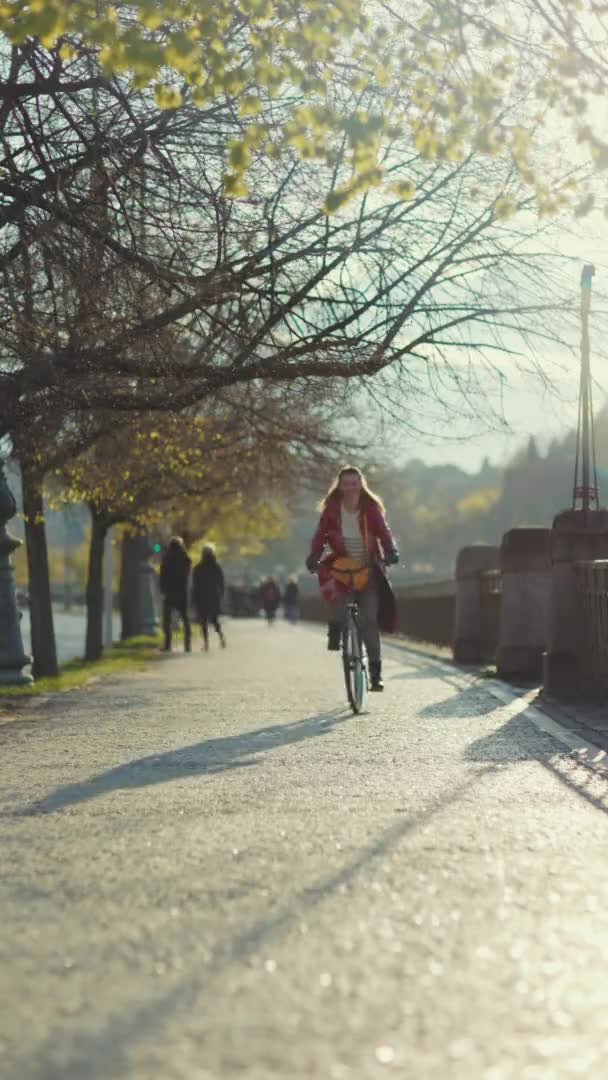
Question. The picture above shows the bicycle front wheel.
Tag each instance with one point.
(355, 674)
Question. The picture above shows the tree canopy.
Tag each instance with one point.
(450, 72)
(199, 196)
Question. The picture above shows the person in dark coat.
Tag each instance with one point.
(174, 574)
(290, 600)
(207, 593)
(271, 598)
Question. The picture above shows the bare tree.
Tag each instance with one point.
(246, 449)
(130, 282)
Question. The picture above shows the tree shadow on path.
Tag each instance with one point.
(519, 740)
(106, 1048)
(467, 702)
(200, 759)
(428, 672)
(413, 673)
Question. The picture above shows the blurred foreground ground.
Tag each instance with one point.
(211, 870)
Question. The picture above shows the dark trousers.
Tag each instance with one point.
(215, 622)
(168, 609)
(367, 600)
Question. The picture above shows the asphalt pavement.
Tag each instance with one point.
(211, 870)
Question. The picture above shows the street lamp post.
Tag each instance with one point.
(586, 494)
(578, 535)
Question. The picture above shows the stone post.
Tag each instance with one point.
(108, 590)
(127, 586)
(467, 645)
(576, 536)
(525, 560)
(12, 656)
(138, 587)
(146, 588)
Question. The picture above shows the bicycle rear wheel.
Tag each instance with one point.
(353, 659)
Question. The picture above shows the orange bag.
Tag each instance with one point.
(350, 572)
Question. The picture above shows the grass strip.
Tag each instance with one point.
(130, 655)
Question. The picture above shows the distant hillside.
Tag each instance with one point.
(435, 510)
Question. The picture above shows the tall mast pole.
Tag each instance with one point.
(587, 492)
(586, 277)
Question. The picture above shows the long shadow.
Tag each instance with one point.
(471, 701)
(309, 897)
(422, 671)
(520, 740)
(441, 668)
(200, 759)
(105, 1051)
(516, 740)
(422, 666)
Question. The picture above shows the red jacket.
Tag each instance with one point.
(371, 521)
(379, 541)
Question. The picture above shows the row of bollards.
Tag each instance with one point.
(542, 632)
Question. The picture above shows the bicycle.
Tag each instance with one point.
(354, 657)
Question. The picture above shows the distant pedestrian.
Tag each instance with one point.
(271, 598)
(174, 574)
(207, 593)
(290, 600)
(254, 598)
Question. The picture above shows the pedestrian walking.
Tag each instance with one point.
(207, 593)
(290, 600)
(174, 574)
(353, 528)
(270, 596)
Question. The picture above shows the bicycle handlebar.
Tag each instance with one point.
(313, 568)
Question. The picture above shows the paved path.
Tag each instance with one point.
(212, 871)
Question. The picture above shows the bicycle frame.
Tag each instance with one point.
(353, 655)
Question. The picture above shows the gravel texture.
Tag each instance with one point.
(211, 871)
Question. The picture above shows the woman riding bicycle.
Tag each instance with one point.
(352, 525)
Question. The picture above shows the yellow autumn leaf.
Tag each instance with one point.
(167, 97)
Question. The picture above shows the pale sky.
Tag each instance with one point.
(528, 407)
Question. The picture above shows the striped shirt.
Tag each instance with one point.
(351, 534)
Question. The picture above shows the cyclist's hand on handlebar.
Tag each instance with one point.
(312, 563)
(391, 557)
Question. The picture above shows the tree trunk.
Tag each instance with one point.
(41, 612)
(94, 639)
